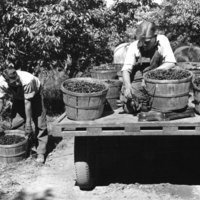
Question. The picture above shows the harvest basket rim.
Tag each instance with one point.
(167, 81)
(188, 62)
(64, 90)
(103, 70)
(18, 133)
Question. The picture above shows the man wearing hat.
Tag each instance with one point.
(25, 91)
(148, 52)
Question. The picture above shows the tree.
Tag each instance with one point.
(42, 34)
(179, 20)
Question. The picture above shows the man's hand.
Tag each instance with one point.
(128, 93)
(28, 129)
(132, 100)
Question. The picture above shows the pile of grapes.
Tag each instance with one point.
(197, 82)
(83, 86)
(170, 74)
(10, 139)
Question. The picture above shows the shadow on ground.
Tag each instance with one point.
(53, 141)
(2, 195)
(46, 195)
(148, 160)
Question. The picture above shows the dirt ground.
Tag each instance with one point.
(55, 180)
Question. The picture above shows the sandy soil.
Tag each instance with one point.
(55, 180)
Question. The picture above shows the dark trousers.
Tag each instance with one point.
(39, 119)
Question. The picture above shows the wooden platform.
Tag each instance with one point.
(121, 124)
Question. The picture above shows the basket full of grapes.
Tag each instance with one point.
(84, 98)
(168, 88)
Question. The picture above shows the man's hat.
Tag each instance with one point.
(10, 75)
(145, 30)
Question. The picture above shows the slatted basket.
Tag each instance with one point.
(14, 152)
(105, 71)
(168, 95)
(84, 106)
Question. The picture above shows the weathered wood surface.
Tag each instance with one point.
(122, 124)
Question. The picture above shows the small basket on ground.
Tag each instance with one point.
(17, 151)
(171, 93)
(84, 98)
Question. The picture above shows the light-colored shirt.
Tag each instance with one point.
(164, 49)
(30, 86)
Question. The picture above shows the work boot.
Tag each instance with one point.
(40, 158)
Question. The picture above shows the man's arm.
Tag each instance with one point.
(167, 53)
(127, 68)
(28, 112)
(127, 83)
(166, 66)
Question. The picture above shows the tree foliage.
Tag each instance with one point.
(38, 34)
(179, 20)
(42, 35)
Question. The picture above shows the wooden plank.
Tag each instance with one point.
(173, 130)
(60, 118)
(117, 119)
(122, 133)
(197, 128)
(94, 130)
(168, 130)
(119, 123)
(132, 129)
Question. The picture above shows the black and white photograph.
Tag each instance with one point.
(99, 100)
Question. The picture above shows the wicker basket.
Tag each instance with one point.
(84, 106)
